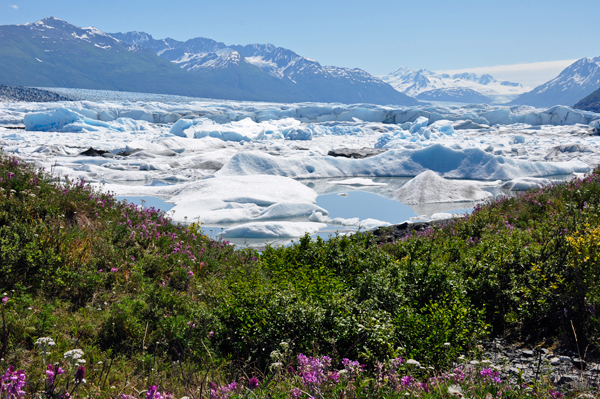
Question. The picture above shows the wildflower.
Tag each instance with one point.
(555, 394)
(296, 393)
(51, 373)
(153, 393)
(80, 375)
(4, 300)
(253, 383)
(334, 377)
(454, 390)
(486, 373)
(12, 383)
(413, 362)
(114, 269)
(406, 381)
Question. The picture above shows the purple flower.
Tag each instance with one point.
(555, 394)
(12, 383)
(80, 374)
(407, 381)
(334, 377)
(253, 383)
(153, 393)
(114, 269)
(51, 374)
(5, 299)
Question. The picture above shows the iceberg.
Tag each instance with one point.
(272, 229)
(470, 163)
(429, 187)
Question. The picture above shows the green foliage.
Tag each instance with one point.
(155, 298)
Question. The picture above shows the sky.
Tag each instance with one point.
(378, 36)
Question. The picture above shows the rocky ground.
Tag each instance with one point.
(388, 234)
(565, 369)
(28, 94)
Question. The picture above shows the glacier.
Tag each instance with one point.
(256, 170)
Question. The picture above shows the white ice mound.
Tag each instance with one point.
(80, 121)
(233, 199)
(525, 183)
(59, 120)
(470, 163)
(429, 188)
(272, 229)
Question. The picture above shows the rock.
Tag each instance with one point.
(92, 152)
(397, 231)
(555, 361)
(209, 165)
(580, 364)
(527, 353)
(356, 153)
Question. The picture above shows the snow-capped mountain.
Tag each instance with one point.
(317, 82)
(463, 87)
(575, 82)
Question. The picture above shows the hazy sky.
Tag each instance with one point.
(377, 35)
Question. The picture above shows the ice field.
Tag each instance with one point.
(258, 171)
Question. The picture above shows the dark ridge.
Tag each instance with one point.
(29, 94)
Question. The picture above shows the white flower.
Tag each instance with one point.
(413, 362)
(45, 341)
(485, 361)
(454, 390)
(74, 354)
(446, 343)
(473, 362)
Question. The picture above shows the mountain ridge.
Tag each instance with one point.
(574, 83)
(53, 53)
(324, 83)
(461, 87)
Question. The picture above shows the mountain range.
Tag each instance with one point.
(575, 82)
(463, 87)
(54, 53)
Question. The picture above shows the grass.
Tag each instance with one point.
(153, 303)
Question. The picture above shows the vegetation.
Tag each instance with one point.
(103, 299)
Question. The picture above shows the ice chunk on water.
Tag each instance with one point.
(429, 187)
(288, 210)
(272, 229)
